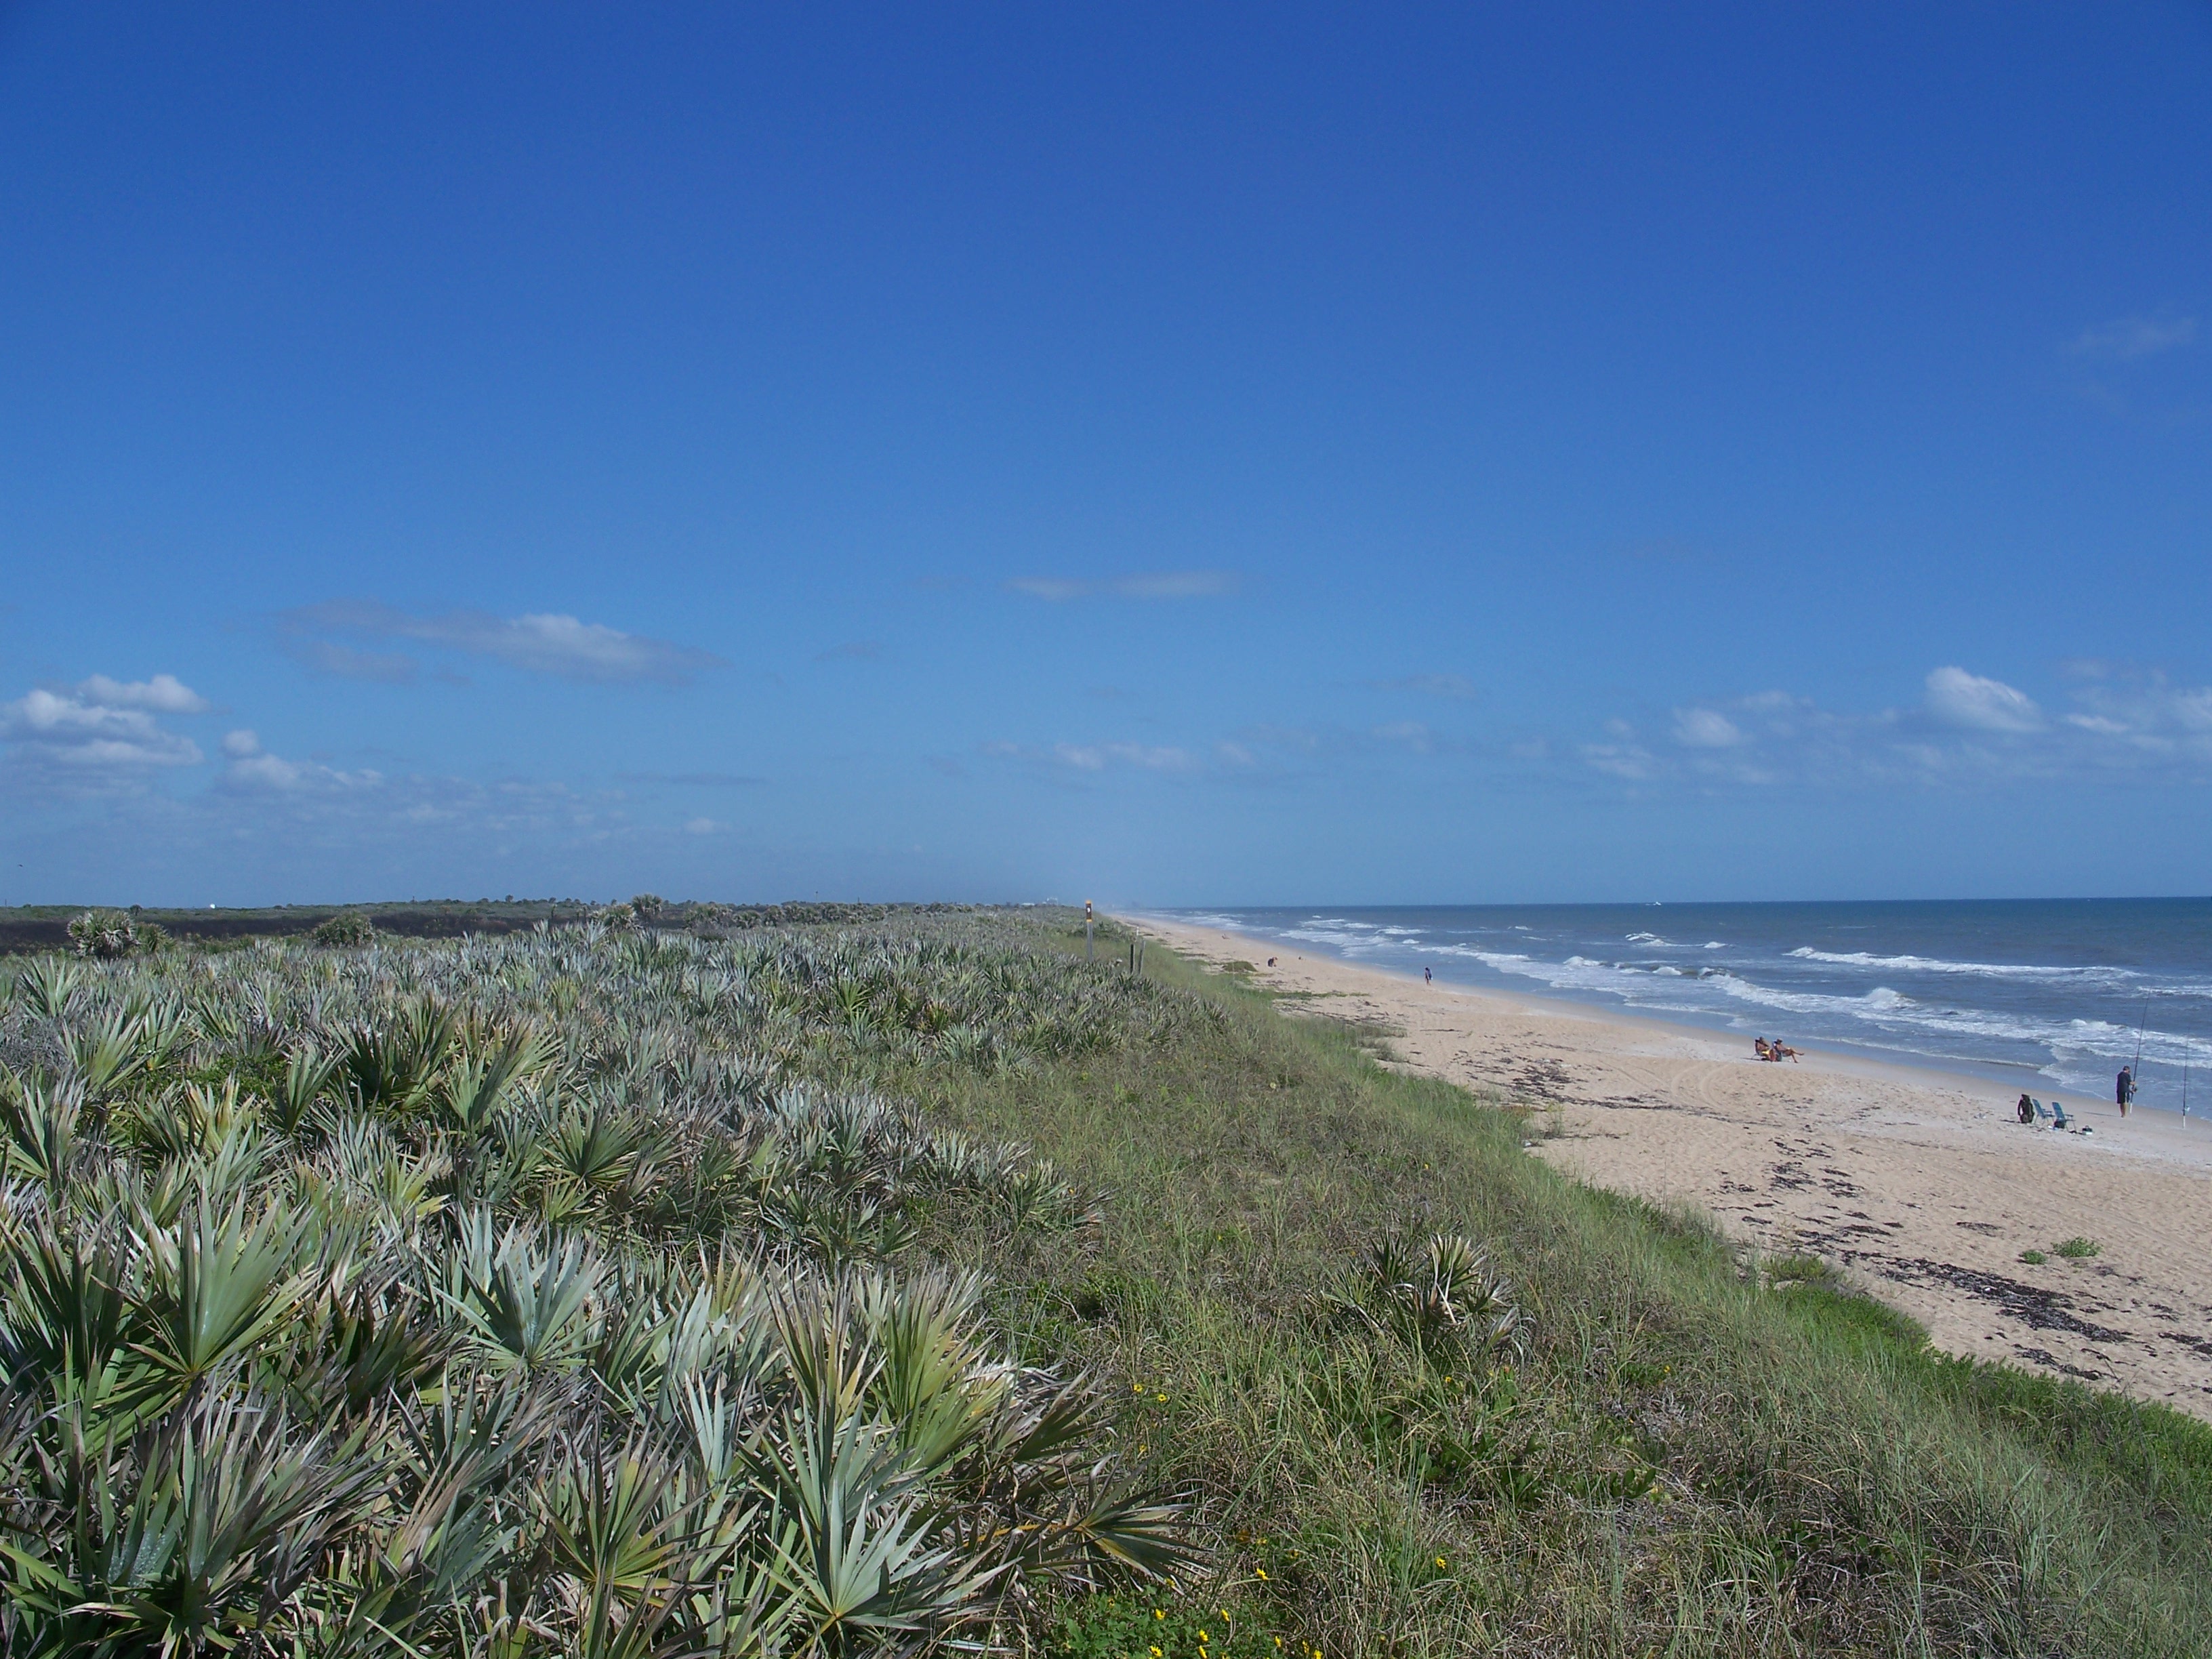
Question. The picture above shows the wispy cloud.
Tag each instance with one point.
(1094, 757)
(344, 662)
(1407, 734)
(537, 642)
(1150, 585)
(1706, 728)
(99, 734)
(1958, 698)
(694, 780)
(2125, 338)
(1455, 688)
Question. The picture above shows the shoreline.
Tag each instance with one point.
(1918, 1182)
(2017, 1078)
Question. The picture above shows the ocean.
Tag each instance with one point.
(2044, 993)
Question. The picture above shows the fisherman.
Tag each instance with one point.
(2124, 1090)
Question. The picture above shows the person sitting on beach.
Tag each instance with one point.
(1782, 1051)
(1759, 1045)
(2027, 1109)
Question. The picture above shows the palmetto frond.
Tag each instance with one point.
(292, 1359)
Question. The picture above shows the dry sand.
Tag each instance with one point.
(1921, 1183)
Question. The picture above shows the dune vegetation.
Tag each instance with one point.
(916, 1286)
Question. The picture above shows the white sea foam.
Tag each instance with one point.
(1894, 1002)
(1207, 919)
(1910, 964)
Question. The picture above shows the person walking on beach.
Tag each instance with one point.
(2123, 1090)
(1427, 978)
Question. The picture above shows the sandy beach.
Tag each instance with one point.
(1920, 1184)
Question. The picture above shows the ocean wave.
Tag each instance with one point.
(1357, 944)
(1912, 964)
(1205, 919)
(2065, 1024)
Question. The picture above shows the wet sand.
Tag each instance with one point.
(1920, 1184)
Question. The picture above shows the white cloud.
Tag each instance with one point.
(1958, 698)
(1148, 585)
(101, 735)
(163, 695)
(1969, 730)
(240, 744)
(2125, 338)
(700, 826)
(255, 770)
(538, 642)
(1706, 728)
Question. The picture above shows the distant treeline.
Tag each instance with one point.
(45, 927)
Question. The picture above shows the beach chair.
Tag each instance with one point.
(2042, 1111)
(2058, 1118)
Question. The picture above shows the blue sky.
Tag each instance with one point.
(1182, 455)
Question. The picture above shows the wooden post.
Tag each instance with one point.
(1090, 949)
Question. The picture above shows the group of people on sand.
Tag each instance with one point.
(1773, 1050)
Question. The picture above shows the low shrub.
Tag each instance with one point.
(347, 930)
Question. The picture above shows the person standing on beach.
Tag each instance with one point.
(1427, 978)
(2123, 1090)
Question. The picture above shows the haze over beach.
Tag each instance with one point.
(1141, 832)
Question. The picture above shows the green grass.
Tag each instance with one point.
(1692, 1452)
(1698, 1456)
(2078, 1249)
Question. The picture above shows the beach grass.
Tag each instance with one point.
(1698, 1453)
(1211, 1227)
